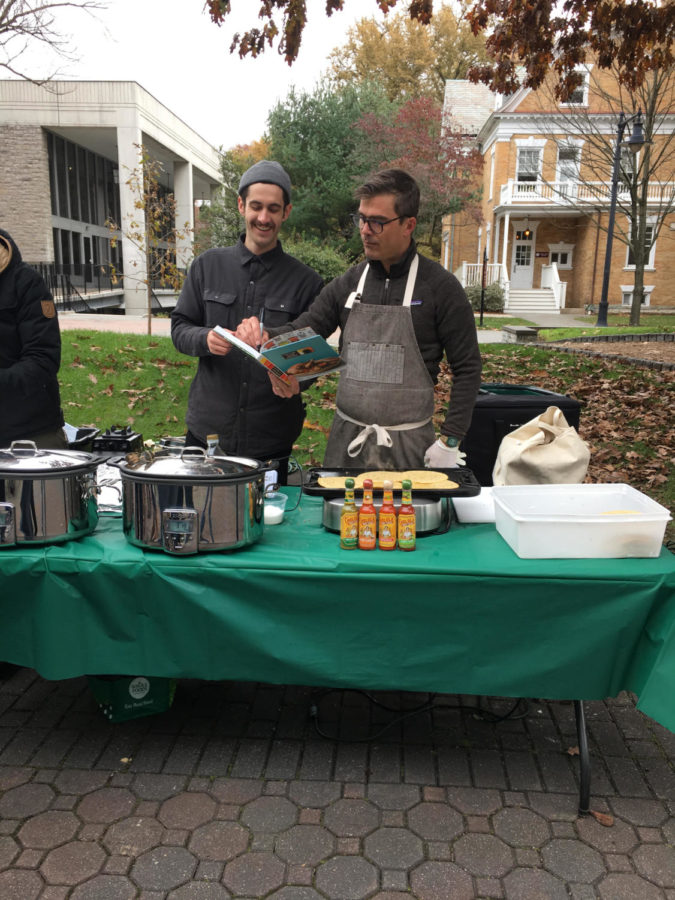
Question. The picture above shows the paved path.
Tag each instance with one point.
(162, 326)
(232, 793)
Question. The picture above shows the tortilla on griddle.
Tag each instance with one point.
(422, 479)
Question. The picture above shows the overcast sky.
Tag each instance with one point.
(175, 52)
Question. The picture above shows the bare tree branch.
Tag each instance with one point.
(25, 22)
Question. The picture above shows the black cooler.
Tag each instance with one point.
(500, 409)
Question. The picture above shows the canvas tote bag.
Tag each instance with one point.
(545, 450)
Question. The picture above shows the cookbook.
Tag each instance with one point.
(302, 353)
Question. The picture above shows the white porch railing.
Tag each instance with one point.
(575, 193)
(551, 279)
(472, 273)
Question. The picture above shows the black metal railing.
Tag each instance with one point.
(85, 277)
(74, 287)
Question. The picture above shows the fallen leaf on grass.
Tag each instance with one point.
(93, 378)
(603, 818)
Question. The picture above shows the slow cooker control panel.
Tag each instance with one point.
(180, 530)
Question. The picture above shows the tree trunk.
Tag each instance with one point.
(148, 279)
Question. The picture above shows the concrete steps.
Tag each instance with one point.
(540, 300)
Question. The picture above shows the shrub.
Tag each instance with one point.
(493, 301)
(325, 260)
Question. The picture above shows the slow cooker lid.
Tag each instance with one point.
(24, 458)
(190, 463)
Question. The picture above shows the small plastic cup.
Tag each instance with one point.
(275, 504)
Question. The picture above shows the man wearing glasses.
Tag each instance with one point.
(398, 313)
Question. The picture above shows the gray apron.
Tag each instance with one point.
(384, 385)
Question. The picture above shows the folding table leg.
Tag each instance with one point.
(584, 760)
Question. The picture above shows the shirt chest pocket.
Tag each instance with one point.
(280, 310)
(220, 308)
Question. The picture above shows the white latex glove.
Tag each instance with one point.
(440, 456)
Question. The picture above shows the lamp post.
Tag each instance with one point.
(636, 140)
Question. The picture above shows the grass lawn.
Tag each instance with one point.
(138, 380)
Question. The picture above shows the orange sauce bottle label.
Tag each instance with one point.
(387, 531)
(367, 526)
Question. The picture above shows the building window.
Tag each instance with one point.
(627, 169)
(650, 249)
(627, 294)
(81, 183)
(529, 163)
(569, 158)
(561, 255)
(579, 96)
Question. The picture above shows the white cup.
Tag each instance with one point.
(275, 504)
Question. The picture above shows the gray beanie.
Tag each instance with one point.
(266, 172)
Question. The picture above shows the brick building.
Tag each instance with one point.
(68, 148)
(546, 190)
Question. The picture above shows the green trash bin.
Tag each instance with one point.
(124, 697)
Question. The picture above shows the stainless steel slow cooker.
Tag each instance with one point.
(46, 496)
(183, 501)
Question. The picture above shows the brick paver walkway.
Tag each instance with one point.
(233, 793)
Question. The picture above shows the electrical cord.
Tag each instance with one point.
(479, 712)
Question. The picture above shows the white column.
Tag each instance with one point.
(129, 142)
(505, 240)
(182, 190)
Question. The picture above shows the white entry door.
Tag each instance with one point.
(522, 263)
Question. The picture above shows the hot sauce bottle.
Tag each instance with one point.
(367, 517)
(349, 519)
(406, 519)
(386, 520)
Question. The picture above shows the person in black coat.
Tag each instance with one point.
(30, 354)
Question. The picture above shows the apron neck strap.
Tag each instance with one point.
(355, 296)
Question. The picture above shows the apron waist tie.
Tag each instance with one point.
(380, 431)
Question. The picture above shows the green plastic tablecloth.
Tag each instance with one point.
(462, 614)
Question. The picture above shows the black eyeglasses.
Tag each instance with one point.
(375, 225)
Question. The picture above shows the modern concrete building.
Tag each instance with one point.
(68, 149)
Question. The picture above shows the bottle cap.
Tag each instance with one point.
(406, 484)
(388, 485)
(349, 483)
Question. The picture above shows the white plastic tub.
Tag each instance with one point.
(475, 509)
(579, 521)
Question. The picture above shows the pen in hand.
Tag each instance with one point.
(261, 318)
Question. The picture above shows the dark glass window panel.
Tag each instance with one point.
(52, 174)
(82, 178)
(66, 256)
(61, 179)
(71, 172)
(57, 245)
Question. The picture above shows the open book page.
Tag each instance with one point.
(301, 353)
(252, 352)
